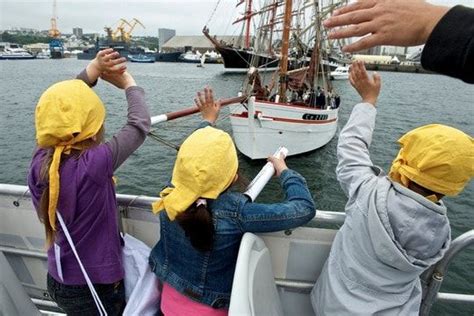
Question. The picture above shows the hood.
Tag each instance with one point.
(408, 231)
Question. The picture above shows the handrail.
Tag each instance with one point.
(143, 201)
(434, 277)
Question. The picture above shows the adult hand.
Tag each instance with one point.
(279, 164)
(206, 104)
(367, 87)
(120, 80)
(388, 22)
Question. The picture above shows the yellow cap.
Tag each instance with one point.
(437, 157)
(206, 165)
(67, 113)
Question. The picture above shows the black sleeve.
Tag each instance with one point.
(450, 47)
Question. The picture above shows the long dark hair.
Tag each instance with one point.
(197, 221)
(44, 175)
(198, 225)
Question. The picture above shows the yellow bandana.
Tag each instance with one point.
(206, 165)
(437, 157)
(67, 113)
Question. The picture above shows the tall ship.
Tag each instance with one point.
(248, 51)
(296, 107)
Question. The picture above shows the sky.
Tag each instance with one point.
(187, 17)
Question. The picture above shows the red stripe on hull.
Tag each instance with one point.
(278, 119)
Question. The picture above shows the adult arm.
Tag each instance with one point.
(297, 208)
(385, 22)
(450, 47)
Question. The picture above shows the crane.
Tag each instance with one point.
(133, 24)
(53, 31)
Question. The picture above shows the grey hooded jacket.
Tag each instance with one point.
(390, 236)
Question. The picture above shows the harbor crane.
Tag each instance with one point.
(53, 31)
(120, 33)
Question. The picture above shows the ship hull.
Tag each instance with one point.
(239, 60)
(265, 126)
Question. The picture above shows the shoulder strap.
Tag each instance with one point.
(95, 296)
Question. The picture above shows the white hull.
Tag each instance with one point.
(339, 76)
(270, 125)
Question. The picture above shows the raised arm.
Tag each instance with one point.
(106, 60)
(133, 134)
(297, 209)
(385, 22)
(354, 164)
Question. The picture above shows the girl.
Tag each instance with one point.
(203, 222)
(71, 173)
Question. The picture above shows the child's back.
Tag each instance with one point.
(198, 264)
(391, 233)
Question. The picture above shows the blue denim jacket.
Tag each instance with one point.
(207, 277)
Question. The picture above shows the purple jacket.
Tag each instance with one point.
(87, 200)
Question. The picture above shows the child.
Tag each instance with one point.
(203, 221)
(71, 173)
(396, 226)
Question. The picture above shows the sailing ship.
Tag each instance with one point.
(240, 56)
(300, 111)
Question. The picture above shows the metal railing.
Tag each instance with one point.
(142, 201)
(431, 279)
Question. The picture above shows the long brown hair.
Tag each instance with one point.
(198, 226)
(44, 175)
(197, 221)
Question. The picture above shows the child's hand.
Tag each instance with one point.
(206, 104)
(368, 87)
(120, 80)
(108, 60)
(279, 164)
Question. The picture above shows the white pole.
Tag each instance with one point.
(262, 178)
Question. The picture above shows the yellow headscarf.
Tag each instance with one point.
(67, 113)
(437, 157)
(205, 166)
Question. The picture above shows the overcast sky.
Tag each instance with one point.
(186, 16)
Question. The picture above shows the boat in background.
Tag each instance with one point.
(171, 57)
(341, 73)
(141, 58)
(14, 52)
(297, 108)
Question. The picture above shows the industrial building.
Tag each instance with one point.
(196, 42)
(164, 35)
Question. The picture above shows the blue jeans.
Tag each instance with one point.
(77, 299)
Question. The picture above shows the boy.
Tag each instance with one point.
(396, 225)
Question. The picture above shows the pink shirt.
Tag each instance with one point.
(174, 303)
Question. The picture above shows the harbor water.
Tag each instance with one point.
(406, 101)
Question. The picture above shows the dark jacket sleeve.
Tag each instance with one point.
(450, 47)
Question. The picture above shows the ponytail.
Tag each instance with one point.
(198, 225)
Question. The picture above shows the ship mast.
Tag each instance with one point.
(284, 50)
(248, 14)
